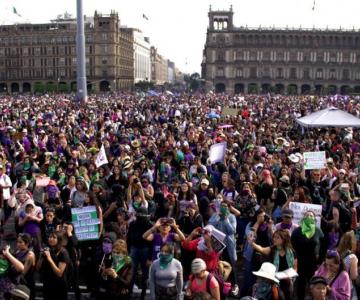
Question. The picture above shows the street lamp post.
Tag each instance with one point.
(80, 54)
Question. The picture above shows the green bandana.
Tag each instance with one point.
(51, 171)
(136, 205)
(308, 227)
(165, 260)
(27, 166)
(119, 262)
(4, 266)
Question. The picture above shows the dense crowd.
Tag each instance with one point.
(169, 219)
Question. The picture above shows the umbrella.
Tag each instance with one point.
(225, 126)
(152, 93)
(329, 117)
(213, 115)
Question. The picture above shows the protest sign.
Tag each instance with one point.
(42, 181)
(229, 111)
(300, 208)
(216, 244)
(314, 160)
(101, 158)
(217, 152)
(86, 223)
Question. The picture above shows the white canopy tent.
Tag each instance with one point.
(329, 117)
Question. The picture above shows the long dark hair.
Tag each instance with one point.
(285, 236)
(60, 242)
(254, 218)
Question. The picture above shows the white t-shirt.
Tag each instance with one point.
(5, 181)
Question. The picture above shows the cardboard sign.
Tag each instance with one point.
(229, 111)
(300, 208)
(217, 152)
(314, 160)
(86, 223)
(42, 181)
(216, 244)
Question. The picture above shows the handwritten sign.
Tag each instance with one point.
(300, 208)
(217, 152)
(86, 223)
(229, 111)
(42, 181)
(314, 160)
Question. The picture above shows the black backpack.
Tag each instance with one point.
(345, 216)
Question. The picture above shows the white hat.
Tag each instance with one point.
(342, 171)
(205, 181)
(197, 266)
(177, 113)
(299, 155)
(294, 158)
(268, 271)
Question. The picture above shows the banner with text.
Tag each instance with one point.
(86, 223)
(314, 160)
(300, 208)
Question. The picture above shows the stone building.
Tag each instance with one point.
(42, 57)
(159, 67)
(294, 61)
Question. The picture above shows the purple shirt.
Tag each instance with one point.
(158, 243)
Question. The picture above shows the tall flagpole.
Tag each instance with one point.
(80, 54)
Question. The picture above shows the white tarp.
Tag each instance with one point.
(329, 117)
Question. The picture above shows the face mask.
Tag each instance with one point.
(245, 192)
(107, 247)
(165, 259)
(27, 165)
(118, 261)
(308, 227)
(224, 211)
(285, 226)
(4, 266)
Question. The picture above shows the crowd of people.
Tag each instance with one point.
(170, 220)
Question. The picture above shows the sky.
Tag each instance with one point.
(177, 28)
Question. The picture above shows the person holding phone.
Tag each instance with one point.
(164, 234)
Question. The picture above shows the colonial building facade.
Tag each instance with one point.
(42, 57)
(293, 61)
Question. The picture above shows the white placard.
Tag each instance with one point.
(300, 208)
(217, 152)
(101, 158)
(314, 160)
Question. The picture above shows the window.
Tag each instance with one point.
(293, 73)
(220, 72)
(37, 50)
(306, 74)
(104, 49)
(357, 75)
(49, 73)
(326, 57)
(353, 57)
(319, 74)
(246, 55)
(61, 61)
(37, 62)
(74, 60)
(253, 72)
(62, 72)
(279, 73)
(26, 73)
(339, 57)
(61, 50)
(313, 56)
(2, 51)
(239, 73)
(286, 56)
(332, 74)
(49, 50)
(104, 60)
(273, 56)
(300, 56)
(104, 36)
(259, 55)
(345, 74)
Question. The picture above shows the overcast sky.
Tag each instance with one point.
(178, 27)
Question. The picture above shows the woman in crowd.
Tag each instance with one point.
(115, 280)
(53, 264)
(306, 241)
(164, 226)
(282, 256)
(346, 248)
(200, 281)
(166, 276)
(338, 281)
(28, 259)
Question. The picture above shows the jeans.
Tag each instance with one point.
(249, 279)
(240, 229)
(139, 256)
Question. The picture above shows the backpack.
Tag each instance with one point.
(345, 216)
(223, 286)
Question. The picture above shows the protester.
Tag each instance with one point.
(318, 289)
(166, 276)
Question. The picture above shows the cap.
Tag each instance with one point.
(342, 171)
(198, 265)
(110, 236)
(318, 280)
(205, 181)
(287, 213)
(284, 179)
(330, 160)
